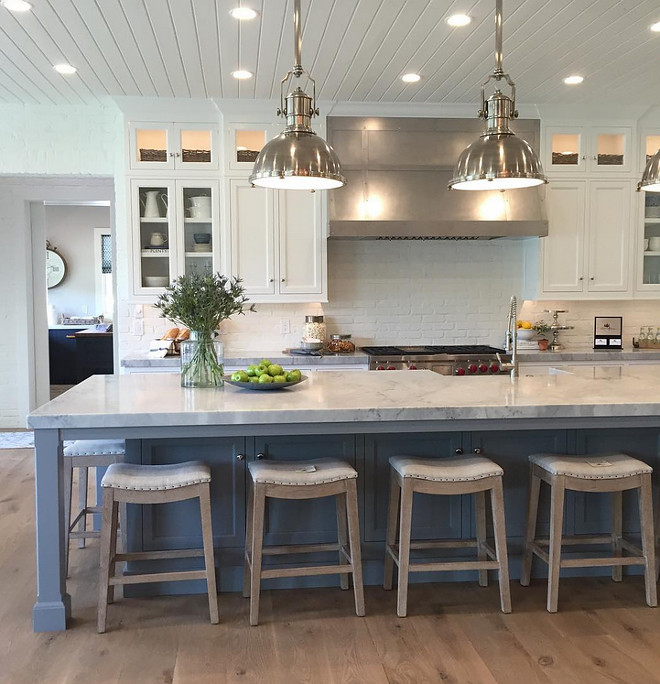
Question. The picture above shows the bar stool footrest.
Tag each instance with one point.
(158, 555)
(159, 577)
(306, 571)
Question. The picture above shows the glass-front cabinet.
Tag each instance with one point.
(176, 230)
(650, 139)
(649, 273)
(170, 146)
(243, 143)
(582, 149)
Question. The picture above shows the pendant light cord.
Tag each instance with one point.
(297, 40)
(498, 37)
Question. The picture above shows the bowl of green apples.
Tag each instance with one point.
(265, 376)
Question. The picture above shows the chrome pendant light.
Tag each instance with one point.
(297, 159)
(499, 160)
(651, 176)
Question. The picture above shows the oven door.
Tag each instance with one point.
(441, 368)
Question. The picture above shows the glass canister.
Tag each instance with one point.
(314, 329)
(341, 344)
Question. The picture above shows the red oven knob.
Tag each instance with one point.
(380, 367)
(412, 367)
(391, 368)
(460, 371)
(483, 368)
(494, 368)
(472, 368)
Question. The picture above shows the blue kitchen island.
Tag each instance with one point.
(363, 418)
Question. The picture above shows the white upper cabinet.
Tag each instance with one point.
(587, 252)
(278, 243)
(595, 150)
(650, 144)
(563, 249)
(172, 146)
(243, 142)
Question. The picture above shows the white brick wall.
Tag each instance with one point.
(435, 292)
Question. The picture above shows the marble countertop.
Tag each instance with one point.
(590, 355)
(142, 360)
(156, 400)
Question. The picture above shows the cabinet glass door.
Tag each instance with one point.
(651, 144)
(244, 142)
(651, 244)
(150, 147)
(197, 147)
(200, 222)
(564, 149)
(610, 150)
(154, 235)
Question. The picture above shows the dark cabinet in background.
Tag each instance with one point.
(75, 354)
(62, 356)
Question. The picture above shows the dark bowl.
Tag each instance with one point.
(202, 238)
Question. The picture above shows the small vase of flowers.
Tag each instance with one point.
(201, 302)
(542, 329)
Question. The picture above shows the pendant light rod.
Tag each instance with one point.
(297, 37)
(498, 37)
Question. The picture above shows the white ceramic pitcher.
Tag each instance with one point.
(150, 203)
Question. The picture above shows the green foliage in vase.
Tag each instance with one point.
(202, 302)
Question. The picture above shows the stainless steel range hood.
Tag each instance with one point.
(397, 171)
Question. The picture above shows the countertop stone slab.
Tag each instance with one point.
(590, 355)
(157, 400)
(142, 360)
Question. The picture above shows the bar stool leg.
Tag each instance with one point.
(113, 549)
(530, 528)
(106, 551)
(617, 533)
(83, 481)
(480, 525)
(499, 528)
(342, 536)
(556, 523)
(248, 542)
(645, 499)
(68, 487)
(657, 533)
(354, 538)
(404, 548)
(209, 560)
(390, 539)
(257, 541)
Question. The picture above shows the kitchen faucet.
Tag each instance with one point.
(511, 340)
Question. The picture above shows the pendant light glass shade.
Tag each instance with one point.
(651, 177)
(499, 160)
(297, 159)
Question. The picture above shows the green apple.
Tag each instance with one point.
(261, 368)
(293, 375)
(279, 378)
(265, 362)
(240, 376)
(254, 378)
(264, 378)
(274, 370)
(251, 371)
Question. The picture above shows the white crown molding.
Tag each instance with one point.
(184, 110)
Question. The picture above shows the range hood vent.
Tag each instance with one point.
(397, 171)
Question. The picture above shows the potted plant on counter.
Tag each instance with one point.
(542, 329)
(201, 302)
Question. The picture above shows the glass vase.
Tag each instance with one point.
(202, 361)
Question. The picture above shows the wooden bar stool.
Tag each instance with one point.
(84, 454)
(309, 480)
(608, 473)
(153, 484)
(464, 475)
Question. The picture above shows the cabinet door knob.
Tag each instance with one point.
(592, 278)
(459, 451)
(595, 158)
(478, 450)
(260, 457)
(581, 277)
(584, 156)
(171, 154)
(240, 457)
(272, 280)
(283, 280)
(177, 154)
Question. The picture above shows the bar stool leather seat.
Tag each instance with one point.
(462, 469)
(319, 471)
(156, 477)
(588, 468)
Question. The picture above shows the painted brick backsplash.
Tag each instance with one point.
(434, 292)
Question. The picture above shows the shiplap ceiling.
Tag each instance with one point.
(356, 49)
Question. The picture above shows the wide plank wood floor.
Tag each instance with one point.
(454, 632)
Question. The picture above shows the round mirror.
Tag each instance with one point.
(55, 267)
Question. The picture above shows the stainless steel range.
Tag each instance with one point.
(446, 360)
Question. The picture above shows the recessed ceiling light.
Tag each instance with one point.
(242, 13)
(241, 74)
(655, 27)
(573, 80)
(64, 68)
(458, 20)
(411, 78)
(17, 5)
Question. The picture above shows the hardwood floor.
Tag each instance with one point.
(453, 633)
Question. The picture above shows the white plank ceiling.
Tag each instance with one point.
(356, 49)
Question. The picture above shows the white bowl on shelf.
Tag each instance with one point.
(156, 281)
(526, 334)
